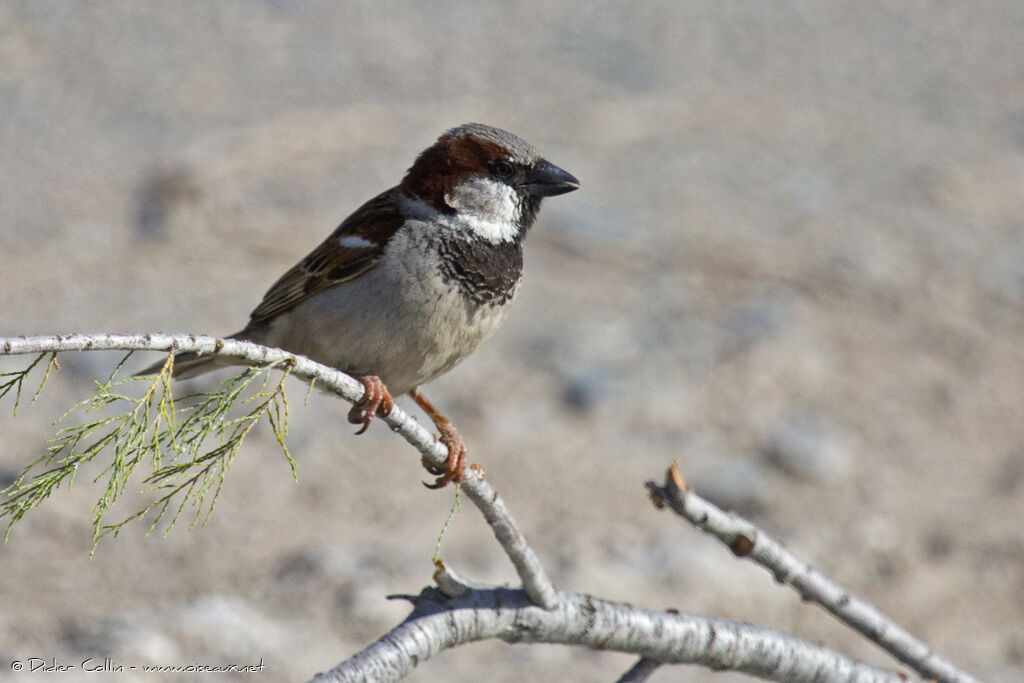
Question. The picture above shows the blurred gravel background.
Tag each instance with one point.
(796, 263)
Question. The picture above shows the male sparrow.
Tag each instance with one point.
(414, 280)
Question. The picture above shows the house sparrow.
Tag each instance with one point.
(414, 280)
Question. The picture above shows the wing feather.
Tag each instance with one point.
(351, 250)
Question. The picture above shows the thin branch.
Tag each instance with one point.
(535, 581)
(640, 671)
(748, 541)
(438, 623)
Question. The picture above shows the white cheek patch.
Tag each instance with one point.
(354, 242)
(488, 208)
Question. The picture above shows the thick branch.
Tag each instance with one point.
(535, 581)
(747, 540)
(438, 623)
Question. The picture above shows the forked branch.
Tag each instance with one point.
(438, 623)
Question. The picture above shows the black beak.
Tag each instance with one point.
(547, 180)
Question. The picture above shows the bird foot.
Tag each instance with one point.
(376, 401)
(455, 467)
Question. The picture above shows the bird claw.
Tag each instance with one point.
(455, 467)
(376, 401)
(431, 467)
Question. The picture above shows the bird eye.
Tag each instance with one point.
(501, 168)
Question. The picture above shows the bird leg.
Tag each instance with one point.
(455, 467)
(376, 401)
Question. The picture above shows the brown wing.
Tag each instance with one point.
(337, 259)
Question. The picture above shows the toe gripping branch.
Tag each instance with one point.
(376, 401)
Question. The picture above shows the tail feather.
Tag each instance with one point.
(190, 364)
(187, 365)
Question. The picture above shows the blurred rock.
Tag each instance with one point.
(887, 568)
(809, 446)
(754, 320)
(938, 545)
(83, 636)
(298, 566)
(1010, 475)
(236, 623)
(583, 391)
(219, 623)
(167, 200)
(738, 484)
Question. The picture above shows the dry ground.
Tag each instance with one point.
(796, 262)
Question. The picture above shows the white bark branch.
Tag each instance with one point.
(438, 623)
(535, 580)
(538, 613)
(747, 540)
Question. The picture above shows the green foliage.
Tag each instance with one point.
(14, 380)
(167, 433)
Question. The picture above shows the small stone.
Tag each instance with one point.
(809, 446)
(583, 392)
(164, 201)
(739, 485)
(752, 322)
(938, 545)
(298, 566)
(1010, 475)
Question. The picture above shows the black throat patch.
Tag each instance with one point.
(485, 272)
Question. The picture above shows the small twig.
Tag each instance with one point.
(748, 541)
(17, 379)
(640, 671)
(438, 623)
(535, 580)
